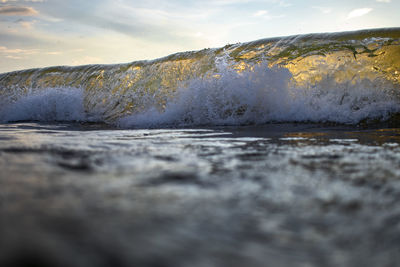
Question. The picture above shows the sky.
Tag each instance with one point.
(40, 33)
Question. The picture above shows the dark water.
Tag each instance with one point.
(272, 195)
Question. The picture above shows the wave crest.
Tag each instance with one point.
(339, 77)
(264, 94)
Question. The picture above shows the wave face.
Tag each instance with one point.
(337, 77)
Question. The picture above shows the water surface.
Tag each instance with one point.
(287, 194)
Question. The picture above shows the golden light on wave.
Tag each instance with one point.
(117, 90)
(345, 66)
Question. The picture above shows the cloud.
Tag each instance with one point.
(384, 1)
(265, 15)
(17, 53)
(260, 13)
(17, 39)
(32, 1)
(137, 23)
(14, 52)
(284, 4)
(359, 12)
(13, 57)
(26, 24)
(17, 11)
(222, 3)
(54, 53)
(229, 2)
(325, 10)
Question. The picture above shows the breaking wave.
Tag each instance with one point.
(264, 95)
(341, 77)
(51, 104)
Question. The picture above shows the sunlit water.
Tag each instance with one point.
(189, 192)
(272, 195)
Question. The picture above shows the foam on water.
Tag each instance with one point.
(255, 96)
(51, 104)
(265, 95)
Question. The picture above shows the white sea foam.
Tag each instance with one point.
(255, 96)
(266, 95)
(51, 104)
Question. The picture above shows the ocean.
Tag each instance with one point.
(278, 152)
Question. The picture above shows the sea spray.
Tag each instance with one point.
(264, 94)
(51, 104)
(339, 77)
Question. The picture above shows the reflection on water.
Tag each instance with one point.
(272, 195)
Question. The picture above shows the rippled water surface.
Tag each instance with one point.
(272, 195)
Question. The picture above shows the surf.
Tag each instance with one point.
(343, 77)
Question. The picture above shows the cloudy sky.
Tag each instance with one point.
(39, 33)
